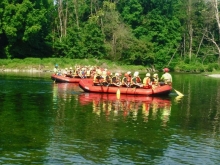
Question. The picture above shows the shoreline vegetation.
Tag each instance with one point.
(47, 65)
(36, 65)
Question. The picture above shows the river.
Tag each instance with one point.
(46, 123)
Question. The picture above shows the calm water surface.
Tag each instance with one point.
(46, 123)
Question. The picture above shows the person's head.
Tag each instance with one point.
(129, 73)
(116, 74)
(136, 74)
(56, 66)
(126, 75)
(155, 75)
(148, 75)
(165, 70)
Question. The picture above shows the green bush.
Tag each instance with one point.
(48, 64)
(212, 67)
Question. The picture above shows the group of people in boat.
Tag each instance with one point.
(106, 78)
(77, 71)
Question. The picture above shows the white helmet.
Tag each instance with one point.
(148, 75)
(136, 74)
(155, 75)
(116, 74)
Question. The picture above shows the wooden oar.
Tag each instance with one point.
(177, 92)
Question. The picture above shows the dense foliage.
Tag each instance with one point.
(152, 33)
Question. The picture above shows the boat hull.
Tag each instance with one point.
(87, 86)
(63, 79)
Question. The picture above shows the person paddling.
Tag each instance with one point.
(166, 78)
(124, 81)
(55, 69)
(136, 80)
(155, 80)
(116, 81)
(147, 81)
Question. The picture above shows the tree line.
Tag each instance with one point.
(153, 33)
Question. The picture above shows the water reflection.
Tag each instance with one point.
(65, 91)
(48, 123)
(128, 106)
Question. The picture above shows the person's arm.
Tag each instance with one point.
(144, 81)
(162, 77)
(171, 79)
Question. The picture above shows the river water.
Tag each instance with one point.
(46, 123)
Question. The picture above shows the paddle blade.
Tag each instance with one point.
(118, 94)
(178, 98)
(179, 93)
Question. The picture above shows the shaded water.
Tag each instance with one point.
(46, 123)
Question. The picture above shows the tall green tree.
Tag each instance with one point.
(24, 27)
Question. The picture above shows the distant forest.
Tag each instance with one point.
(153, 33)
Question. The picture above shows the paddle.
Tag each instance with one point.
(178, 93)
(118, 93)
(178, 98)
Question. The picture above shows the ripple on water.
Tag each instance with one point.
(187, 150)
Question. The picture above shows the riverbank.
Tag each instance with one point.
(214, 75)
(118, 69)
(31, 70)
(47, 65)
(37, 65)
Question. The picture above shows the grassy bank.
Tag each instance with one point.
(47, 64)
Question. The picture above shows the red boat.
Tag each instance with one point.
(88, 86)
(65, 79)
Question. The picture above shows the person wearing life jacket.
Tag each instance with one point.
(98, 79)
(77, 72)
(129, 78)
(104, 74)
(55, 69)
(166, 78)
(136, 80)
(65, 72)
(59, 73)
(124, 81)
(116, 80)
(88, 72)
(70, 72)
(147, 81)
(108, 78)
(83, 73)
(155, 81)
